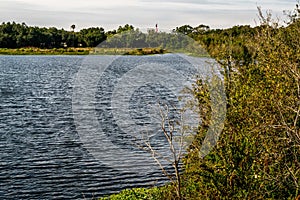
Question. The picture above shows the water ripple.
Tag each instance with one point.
(41, 156)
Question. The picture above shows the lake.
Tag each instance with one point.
(49, 107)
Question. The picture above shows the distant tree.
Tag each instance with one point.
(185, 29)
(110, 33)
(73, 30)
(91, 37)
(73, 27)
(126, 27)
(201, 28)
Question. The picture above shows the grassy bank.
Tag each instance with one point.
(40, 51)
(127, 51)
(81, 51)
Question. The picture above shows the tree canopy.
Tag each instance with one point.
(15, 35)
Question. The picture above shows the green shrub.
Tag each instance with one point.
(258, 153)
(155, 193)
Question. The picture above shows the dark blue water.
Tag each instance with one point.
(41, 154)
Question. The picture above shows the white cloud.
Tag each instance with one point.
(140, 13)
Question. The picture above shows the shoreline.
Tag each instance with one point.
(82, 51)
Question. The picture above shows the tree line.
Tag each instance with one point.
(16, 35)
(229, 41)
(227, 44)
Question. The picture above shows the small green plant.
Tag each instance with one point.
(155, 193)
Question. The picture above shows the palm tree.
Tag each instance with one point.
(73, 29)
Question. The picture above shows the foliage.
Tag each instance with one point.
(91, 37)
(258, 154)
(14, 35)
(154, 193)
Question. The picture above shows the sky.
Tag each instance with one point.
(142, 14)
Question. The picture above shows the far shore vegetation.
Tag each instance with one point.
(81, 51)
(20, 39)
